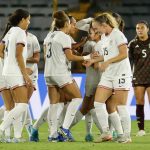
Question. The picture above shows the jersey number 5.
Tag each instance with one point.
(49, 53)
(144, 53)
(105, 51)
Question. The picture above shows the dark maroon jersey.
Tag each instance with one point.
(139, 55)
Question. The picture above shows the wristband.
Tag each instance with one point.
(87, 57)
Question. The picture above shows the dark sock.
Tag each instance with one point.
(140, 116)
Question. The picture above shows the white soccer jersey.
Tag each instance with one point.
(89, 48)
(46, 40)
(13, 37)
(92, 75)
(97, 47)
(32, 47)
(109, 46)
(55, 64)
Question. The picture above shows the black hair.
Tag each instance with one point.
(14, 19)
(144, 22)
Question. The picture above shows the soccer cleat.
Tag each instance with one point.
(105, 136)
(59, 138)
(52, 139)
(7, 140)
(141, 133)
(34, 135)
(123, 139)
(18, 140)
(67, 134)
(114, 134)
(89, 138)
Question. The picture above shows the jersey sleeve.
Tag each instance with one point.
(4, 40)
(130, 53)
(72, 40)
(120, 39)
(84, 24)
(21, 37)
(65, 41)
(36, 45)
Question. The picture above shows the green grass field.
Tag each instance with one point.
(138, 143)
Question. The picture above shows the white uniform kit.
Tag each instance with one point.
(11, 70)
(92, 75)
(56, 69)
(32, 47)
(3, 85)
(117, 75)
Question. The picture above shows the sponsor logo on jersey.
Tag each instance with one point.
(137, 46)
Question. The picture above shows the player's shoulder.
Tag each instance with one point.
(133, 42)
(31, 35)
(117, 31)
(62, 36)
(17, 30)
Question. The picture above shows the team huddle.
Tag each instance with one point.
(105, 55)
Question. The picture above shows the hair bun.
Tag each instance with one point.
(59, 15)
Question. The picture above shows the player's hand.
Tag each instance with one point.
(95, 55)
(29, 71)
(103, 66)
(28, 81)
(88, 63)
(83, 40)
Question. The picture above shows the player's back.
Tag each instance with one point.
(55, 57)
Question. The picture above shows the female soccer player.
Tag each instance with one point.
(87, 107)
(43, 116)
(33, 57)
(139, 54)
(58, 74)
(116, 74)
(6, 94)
(15, 45)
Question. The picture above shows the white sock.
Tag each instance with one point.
(2, 110)
(8, 130)
(71, 111)
(77, 118)
(52, 119)
(125, 119)
(14, 114)
(18, 125)
(111, 127)
(62, 115)
(27, 120)
(41, 119)
(95, 119)
(102, 115)
(88, 123)
(59, 112)
(115, 120)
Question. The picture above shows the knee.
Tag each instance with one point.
(110, 108)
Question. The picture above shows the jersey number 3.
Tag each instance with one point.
(49, 53)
